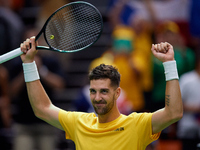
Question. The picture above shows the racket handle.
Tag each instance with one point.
(10, 55)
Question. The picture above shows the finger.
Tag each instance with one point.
(162, 45)
(32, 41)
(168, 45)
(152, 47)
(23, 48)
(165, 47)
(156, 47)
(159, 47)
(24, 45)
(27, 44)
(36, 43)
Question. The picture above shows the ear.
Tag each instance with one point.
(118, 92)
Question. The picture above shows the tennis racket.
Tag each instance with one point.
(73, 27)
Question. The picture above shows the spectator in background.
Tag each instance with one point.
(47, 8)
(31, 132)
(194, 22)
(5, 112)
(123, 15)
(11, 26)
(189, 125)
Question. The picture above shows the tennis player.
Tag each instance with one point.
(109, 130)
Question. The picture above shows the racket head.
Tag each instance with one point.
(73, 27)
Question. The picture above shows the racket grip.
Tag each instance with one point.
(10, 55)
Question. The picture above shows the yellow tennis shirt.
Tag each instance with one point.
(132, 132)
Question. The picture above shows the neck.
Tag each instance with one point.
(110, 116)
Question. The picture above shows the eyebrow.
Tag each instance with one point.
(100, 89)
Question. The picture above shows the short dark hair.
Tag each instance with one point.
(105, 71)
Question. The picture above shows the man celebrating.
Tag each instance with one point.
(110, 129)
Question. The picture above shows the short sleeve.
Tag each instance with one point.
(144, 127)
(67, 120)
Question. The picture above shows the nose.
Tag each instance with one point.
(98, 97)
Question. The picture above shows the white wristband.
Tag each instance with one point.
(30, 72)
(171, 72)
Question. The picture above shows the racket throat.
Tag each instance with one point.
(43, 48)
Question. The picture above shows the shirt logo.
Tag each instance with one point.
(120, 129)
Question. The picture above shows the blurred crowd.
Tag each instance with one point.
(133, 25)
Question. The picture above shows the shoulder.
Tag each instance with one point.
(72, 119)
(141, 117)
(76, 115)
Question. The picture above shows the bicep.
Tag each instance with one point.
(52, 116)
(160, 120)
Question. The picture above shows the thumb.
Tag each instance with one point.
(33, 43)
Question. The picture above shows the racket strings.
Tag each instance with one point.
(74, 27)
(82, 23)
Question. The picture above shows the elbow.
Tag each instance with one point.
(180, 114)
(177, 117)
(39, 113)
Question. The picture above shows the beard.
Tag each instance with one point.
(102, 107)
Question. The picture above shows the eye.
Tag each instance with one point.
(104, 91)
(92, 91)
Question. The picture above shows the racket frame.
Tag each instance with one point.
(42, 31)
(17, 52)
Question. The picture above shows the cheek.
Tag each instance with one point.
(91, 97)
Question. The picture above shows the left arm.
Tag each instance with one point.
(173, 110)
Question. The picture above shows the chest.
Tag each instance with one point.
(120, 138)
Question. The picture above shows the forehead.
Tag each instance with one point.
(100, 83)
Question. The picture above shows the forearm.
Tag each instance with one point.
(38, 98)
(173, 101)
(173, 110)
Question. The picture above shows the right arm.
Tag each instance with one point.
(42, 105)
(40, 102)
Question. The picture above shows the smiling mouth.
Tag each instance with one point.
(100, 104)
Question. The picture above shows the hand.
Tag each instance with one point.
(163, 51)
(28, 47)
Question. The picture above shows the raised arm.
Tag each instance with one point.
(40, 102)
(173, 110)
